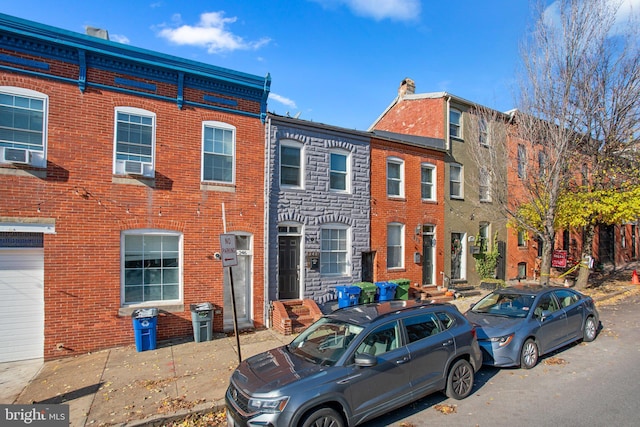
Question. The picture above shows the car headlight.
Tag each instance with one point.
(503, 340)
(268, 405)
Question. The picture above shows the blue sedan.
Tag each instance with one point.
(518, 324)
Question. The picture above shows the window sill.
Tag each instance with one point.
(134, 180)
(210, 186)
(169, 308)
(9, 169)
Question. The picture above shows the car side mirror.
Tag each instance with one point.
(544, 315)
(366, 360)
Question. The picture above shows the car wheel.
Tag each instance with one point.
(459, 380)
(590, 329)
(323, 417)
(529, 355)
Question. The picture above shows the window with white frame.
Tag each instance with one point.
(151, 266)
(428, 182)
(455, 181)
(395, 245)
(523, 237)
(334, 249)
(23, 126)
(134, 145)
(522, 161)
(483, 234)
(339, 171)
(395, 177)
(484, 184)
(291, 164)
(218, 152)
(483, 131)
(455, 123)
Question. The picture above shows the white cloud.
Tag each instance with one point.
(397, 10)
(211, 32)
(626, 11)
(119, 38)
(282, 100)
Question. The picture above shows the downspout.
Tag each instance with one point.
(447, 128)
(266, 265)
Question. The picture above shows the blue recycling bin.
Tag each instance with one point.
(201, 319)
(347, 295)
(145, 321)
(386, 291)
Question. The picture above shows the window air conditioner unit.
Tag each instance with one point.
(16, 155)
(133, 167)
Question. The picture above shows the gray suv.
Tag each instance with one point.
(355, 364)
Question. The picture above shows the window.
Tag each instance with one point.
(522, 238)
(522, 161)
(151, 266)
(383, 339)
(23, 126)
(134, 141)
(395, 245)
(334, 250)
(483, 132)
(395, 177)
(484, 184)
(483, 232)
(420, 327)
(291, 164)
(218, 152)
(427, 182)
(455, 181)
(543, 164)
(585, 174)
(455, 123)
(339, 171)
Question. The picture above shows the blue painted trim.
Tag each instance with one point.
(130, 92)
(82, 77)
(26, 62)
(134, 83)
(218, 100)
(180, 90)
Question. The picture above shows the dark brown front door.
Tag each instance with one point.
(289, 267)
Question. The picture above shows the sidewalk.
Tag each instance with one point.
(121, 386)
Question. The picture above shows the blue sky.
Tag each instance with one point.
(337, 62)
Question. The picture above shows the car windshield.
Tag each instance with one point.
(324, 341)
(504, 304)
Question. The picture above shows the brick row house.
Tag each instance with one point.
(119, 169)
(319, 193)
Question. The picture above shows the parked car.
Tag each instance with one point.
(355, 364)
(518, 324)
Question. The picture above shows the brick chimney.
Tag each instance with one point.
(407, 87)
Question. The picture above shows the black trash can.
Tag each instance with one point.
(202, 319)
(145, 321)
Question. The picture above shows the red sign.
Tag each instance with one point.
(228, 249)
(559, 259)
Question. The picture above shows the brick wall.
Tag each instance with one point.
(91, 208)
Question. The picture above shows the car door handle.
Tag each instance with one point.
(403, 360)
(447, 343)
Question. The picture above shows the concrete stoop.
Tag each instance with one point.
(293, 316)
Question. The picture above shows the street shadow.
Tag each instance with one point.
(72, 395)
(482, 377)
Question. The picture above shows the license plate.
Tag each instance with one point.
(230, 422)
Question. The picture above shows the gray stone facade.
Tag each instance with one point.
(303, 211)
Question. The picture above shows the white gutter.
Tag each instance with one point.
(267, 180)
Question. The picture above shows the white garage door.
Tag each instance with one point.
(21, 304)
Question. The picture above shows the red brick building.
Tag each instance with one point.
(407, 208)
(119, 170)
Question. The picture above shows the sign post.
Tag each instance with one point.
(229, 259)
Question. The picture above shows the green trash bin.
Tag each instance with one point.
(402, 291)
(367, 292)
